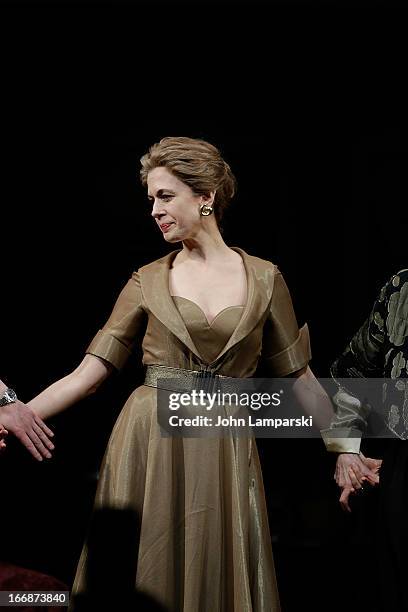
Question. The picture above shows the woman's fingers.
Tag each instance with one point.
(352, 471)
(342, 478)
(346, 479)
(357, 467)
(362, 472)
(344, 498)
(372, 464)
(337, 473)
(372, 477)
(355, 481)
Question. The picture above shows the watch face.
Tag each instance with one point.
(10, 395)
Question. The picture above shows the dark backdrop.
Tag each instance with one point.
(305, 104)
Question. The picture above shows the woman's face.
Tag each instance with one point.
(176, 209)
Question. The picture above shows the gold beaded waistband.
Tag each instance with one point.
(156, 372)
(187, 380)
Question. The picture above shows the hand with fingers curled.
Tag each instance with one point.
(3, 434)
(21, 421)
(354, 472)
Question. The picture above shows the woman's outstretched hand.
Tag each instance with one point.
(22, 422)
(352, 472)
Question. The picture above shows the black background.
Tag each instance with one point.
(305, 100)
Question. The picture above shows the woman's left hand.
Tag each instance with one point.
(372, 464)
(353, 472)
(353, 469)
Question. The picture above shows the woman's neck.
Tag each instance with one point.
(205, 248)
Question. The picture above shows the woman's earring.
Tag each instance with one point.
(205, 210)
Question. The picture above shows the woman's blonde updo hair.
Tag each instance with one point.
(196, 163)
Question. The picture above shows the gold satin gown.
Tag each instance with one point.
(199, 504)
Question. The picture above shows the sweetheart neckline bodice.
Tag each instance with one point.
(209, 323)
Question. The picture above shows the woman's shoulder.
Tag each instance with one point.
(261, 264)
(157, 262)
(258, 263)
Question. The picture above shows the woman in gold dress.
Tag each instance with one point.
(197, 504)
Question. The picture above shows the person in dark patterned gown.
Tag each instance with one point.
(378, 350)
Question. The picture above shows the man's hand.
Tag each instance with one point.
(21, 421)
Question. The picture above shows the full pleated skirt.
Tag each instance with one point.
(179, 524)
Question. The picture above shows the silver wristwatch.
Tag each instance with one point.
(9, 397)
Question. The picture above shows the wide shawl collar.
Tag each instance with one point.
(154, 280)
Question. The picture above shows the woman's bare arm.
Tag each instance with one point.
(77, 385)
(313, 398)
